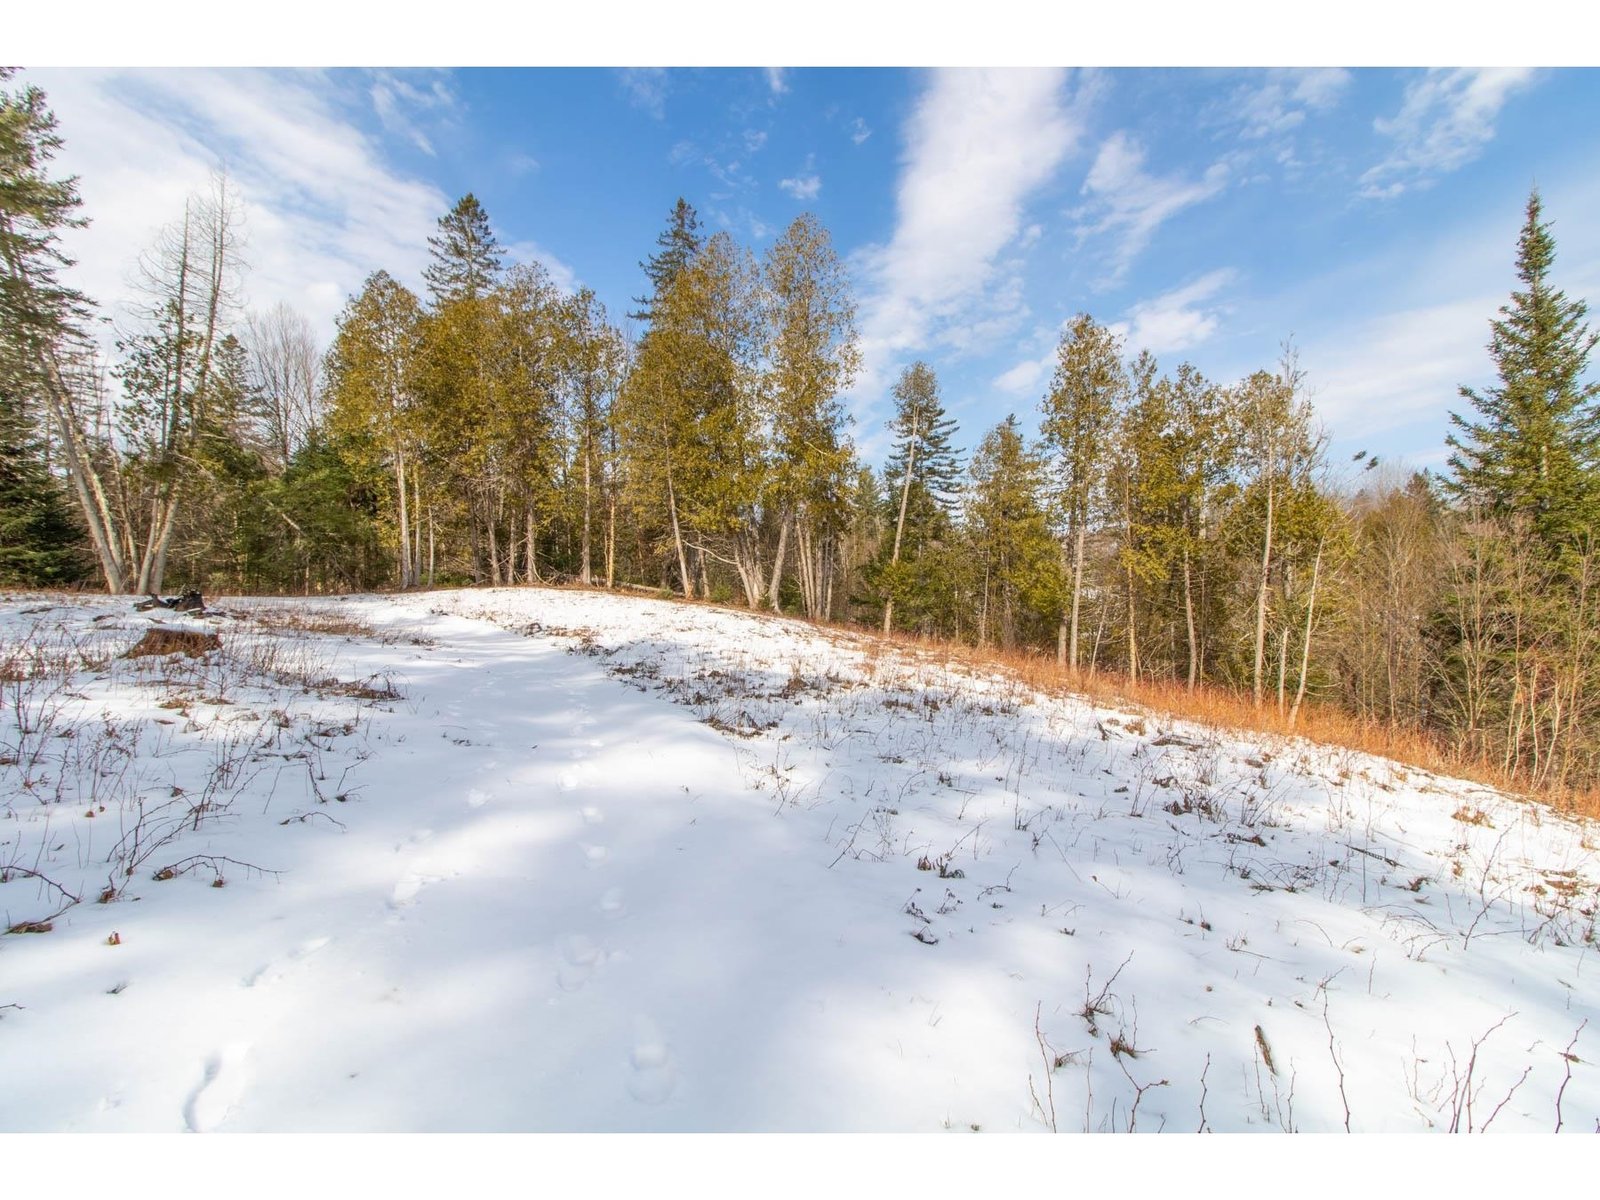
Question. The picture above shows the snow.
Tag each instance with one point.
(556, 860)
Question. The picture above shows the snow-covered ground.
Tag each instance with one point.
(562, 861)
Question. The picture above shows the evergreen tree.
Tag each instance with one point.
(40, 545)
(678, 244)
(1079, 414)
(41, 317)
(466, 256)
(922, 472)
(1535, 451)
(1009, 533)
(811, 358)
(372, 407)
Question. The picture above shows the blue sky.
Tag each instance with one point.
(1208, 213)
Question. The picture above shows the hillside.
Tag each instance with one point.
(553, 860)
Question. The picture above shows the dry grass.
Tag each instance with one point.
(161, 642)
(1225, 709)
(1213, 707)
(310, 619)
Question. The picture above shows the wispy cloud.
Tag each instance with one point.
(805, 185)
(978, 145)
(1027, 377)
(1128, 202)
(402, 106)
(1176, 320)
(647, 89)
(527, 253)
(859, 131)
(754, 139)
(1408, 369)
(1446, 119)
(777, 79)
(322, 206)
(1280, 101)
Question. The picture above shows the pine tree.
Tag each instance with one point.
(922, 470)
(40, 545)
(41, 317)
(1535, 451)
(678, 243)
(1009, 533)
(466, 256)
(812, 357)
(1079, 413)
(372, 405)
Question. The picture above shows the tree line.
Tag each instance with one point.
(499, 430)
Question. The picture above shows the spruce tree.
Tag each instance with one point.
(1534, 452)
(1009, 532)
(40, 333)
(921, 470)
(36, 308)
(1080, 412)
(678, 244)
(466, 256)
(40, 545)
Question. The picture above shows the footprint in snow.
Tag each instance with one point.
(595, 855)
(654, 1077)
(580, 958)
(420, 835)
(410, 886)
(611, 902)
(592, 815)
(477, 798)
(274, 971)
(222, 1084)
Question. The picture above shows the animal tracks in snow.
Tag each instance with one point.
(222, 1084)
(580, 957)
(276, 970)
(654, 1077)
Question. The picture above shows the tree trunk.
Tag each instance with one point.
(777, 560)
(1188, 616)
(1261, 597)
(1305, 647)
(1077, 593)
(900, 526)
(406, 579)
(586, 573)
(677, 538)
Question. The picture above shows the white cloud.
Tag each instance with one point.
(1175, 320)
(322, 208)
(1027, 377)
(563, 276)
(1130, 203)
(978, 144)
(776, 79)
(1282, 99)
(399, 103)
(859, 131)
(1395, 370)
(754, 139)
(647, 89)
(1445, 121)
(805, 185)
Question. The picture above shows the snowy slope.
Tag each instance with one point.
(555, 860)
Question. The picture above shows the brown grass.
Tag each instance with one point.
(1214, 707)
(1225, 709)
(311, 620)
(187, 642)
